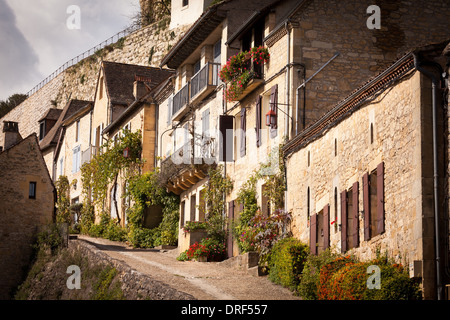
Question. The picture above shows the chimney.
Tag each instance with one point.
(11, 134)
(140, 87)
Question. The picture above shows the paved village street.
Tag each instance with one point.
(205, 281)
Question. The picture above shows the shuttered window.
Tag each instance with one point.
(226, 138)
(76, 159)
(350, 218)
(313, 234)
(326, 226)
(258, 120)
(243, 139)
(373, 201)
(274, 108)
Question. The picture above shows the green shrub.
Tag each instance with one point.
(309, 282)
(346, 279)
(143, 237)
(286, 262)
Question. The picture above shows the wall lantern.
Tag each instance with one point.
(126, 152)
(271, 118)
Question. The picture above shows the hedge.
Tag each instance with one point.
(286, 262)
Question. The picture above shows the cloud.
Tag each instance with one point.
(18, 60)
(43, 24)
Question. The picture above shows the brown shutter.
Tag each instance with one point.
(366, 206)
(380, 198)
(226, 138)
(274, 108)
(258, 121)
(230, 233)
(355, 227)
(326, 226)
(344, 221)
(313, 234)
(243, 139)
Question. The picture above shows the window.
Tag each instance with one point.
(309, 158)
(274, 108)
(373, 200)
(349, 218)
(185, 3)
(202, 206)
(258, 120)
(77, 131)
(100, 91)
(193, 207)
(371, 133)
(320, 231)
(61, 164)
(32, 190)
(182, 208)
(41, 130)
(76, 159)
(243, 139)
(335, 147)
(197, 66)
(217, 50)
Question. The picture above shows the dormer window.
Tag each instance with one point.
(41, 130)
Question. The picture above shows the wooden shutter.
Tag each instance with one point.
(243, 138)
(380, 199)
(274, 108)
(258, 121)
(313, 234)
(226, 138)
(366, 206)
(230, 233)
(344, 221)
(355, 226)
(326, 226)
(205, 123)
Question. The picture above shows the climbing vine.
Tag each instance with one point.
(216, 188)
(120, 156)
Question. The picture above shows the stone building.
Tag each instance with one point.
(27, 195)
(360, 179)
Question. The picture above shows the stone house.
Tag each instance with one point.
(122, 100)
(64, 143)
(28, 196)
(360, 179)
(194, 123)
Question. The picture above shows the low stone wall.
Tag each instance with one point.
(135, 285)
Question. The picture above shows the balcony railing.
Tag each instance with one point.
(207, 76)
(188, 164)
(180, 100)
(201, 84)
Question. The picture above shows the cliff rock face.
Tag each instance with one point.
(152, 10)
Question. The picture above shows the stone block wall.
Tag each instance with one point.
(327, 27)
(146, 46)
(21, 217)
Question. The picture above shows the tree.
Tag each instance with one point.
(10, 103)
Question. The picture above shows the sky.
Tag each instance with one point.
(39, 36)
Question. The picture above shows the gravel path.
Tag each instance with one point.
(203, 280)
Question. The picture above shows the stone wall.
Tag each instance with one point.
(134, 284)
(327, 27)
(146, 46)
(345, 152)
(21, 217)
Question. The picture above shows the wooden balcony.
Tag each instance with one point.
(188, 165)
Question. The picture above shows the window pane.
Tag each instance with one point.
(32, 190)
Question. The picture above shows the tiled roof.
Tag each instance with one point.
(72, 107)
(51, 114)
(351, 103)
(120, 77)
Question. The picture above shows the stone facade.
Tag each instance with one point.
(27, 195)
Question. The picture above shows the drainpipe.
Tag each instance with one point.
(436, 82)
(288, 64)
